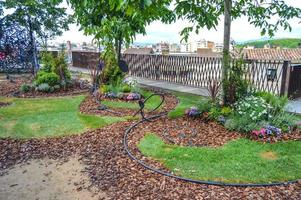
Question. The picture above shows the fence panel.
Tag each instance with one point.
(264, 75)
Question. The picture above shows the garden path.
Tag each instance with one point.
(293, 105)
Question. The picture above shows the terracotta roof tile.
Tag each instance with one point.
(273, 54)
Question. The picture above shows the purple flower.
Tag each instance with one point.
(133, 96)
(192, 112)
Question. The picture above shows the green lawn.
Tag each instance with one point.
(42, 117)
(186, 101)
(240, 161)
(152, 103)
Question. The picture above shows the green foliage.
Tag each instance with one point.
(126, 88)
(283, 43)
(186, 101)
(60, 67)
(235, 86)
(239, 161)
(204, 105)
(44, 87)
(39, 16)
(25, 88)
(254, 108)
(47, 61)
(214, 112)
(226, 111)
(51, 78)
(206, 14)
(54, 71)
(277, 103)
(285, 121)
(242, 124)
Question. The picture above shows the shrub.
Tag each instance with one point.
(47, 61)
(236, 86)
(277, 103)
(226, 111)
(60, 67)
(285, 121)
(105, 89)
(51, 78)
(253, 108)
(214, 113)
(44, 87)
(126, 88)
(25, 88)
(205, 106)
(242, 124)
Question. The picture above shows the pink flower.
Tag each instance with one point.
(255, 132)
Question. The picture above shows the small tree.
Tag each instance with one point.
(116, 23)
(207, 13)
(43, 18)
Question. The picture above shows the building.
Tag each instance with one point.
(145, 50)
(207, 52)
(161, 48)
(174, 48)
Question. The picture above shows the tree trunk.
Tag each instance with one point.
(226, 48)
(33, 47)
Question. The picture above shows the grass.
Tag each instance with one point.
(44, 117)
(152, 103)
(239, 161)
(186, 101)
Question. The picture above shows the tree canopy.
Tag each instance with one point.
(114, 23)
(268, 15)
(45, 18)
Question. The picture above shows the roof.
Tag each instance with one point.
(207, 52)
(272, 54)
(139, 51)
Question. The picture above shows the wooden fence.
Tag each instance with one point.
(196, 71)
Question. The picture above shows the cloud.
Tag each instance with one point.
(241, 30)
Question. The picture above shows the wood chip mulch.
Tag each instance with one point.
(74, 90)
(89, 106)
(110, 169)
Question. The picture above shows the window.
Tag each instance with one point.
(272, 74)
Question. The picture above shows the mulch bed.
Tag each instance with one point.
(111, 170)
(89, 106)
(7, 88)
(73, 90)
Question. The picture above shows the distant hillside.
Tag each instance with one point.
(283, 43)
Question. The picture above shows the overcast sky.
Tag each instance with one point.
(241, 30)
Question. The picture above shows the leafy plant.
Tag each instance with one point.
(95, 75)
(126, 88)
(44, 87)
(214, 113)
(285, 121)
(205, 105)
(51, 78)
(254, 108)
(226, 111)
(235, 86)
(277, 103)
(25, 88)
(213, 89)
(242, 124)
(60, 67)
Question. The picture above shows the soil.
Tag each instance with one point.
(11, 87)
(48, 179)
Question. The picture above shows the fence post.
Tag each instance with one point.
(286, 72)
